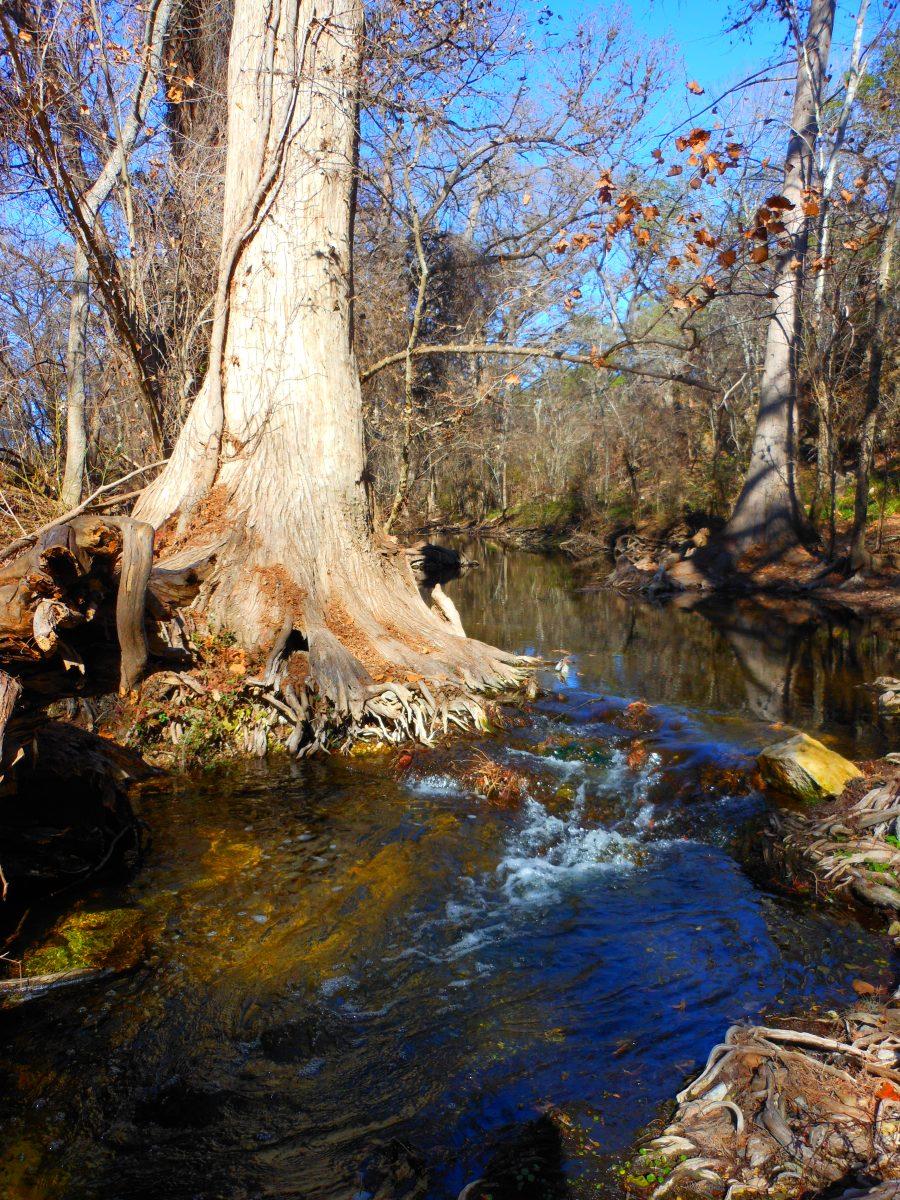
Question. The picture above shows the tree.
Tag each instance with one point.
(269, 476)
(859, 558)
(766, 511)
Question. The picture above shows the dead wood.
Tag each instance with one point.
(843, 848)
(787, 1111)
(32, 987)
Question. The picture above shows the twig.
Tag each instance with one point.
(22, 542)
(9, 509)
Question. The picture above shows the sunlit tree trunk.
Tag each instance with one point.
(766, 512)
(859, 558)
(76, 407)
(270, 468)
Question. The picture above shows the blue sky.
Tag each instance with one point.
(703, 50)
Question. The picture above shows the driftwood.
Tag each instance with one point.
(32, 987)
(73, 580)
(74, 605)
(433, 566)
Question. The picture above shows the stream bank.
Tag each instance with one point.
(365, 975)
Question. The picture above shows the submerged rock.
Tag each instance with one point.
(90, 939)
(804, 768)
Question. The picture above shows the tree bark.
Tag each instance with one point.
(766, 513)
(272, 455)
(859, 557)
(76, 422)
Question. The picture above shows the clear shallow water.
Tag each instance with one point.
(359, 985)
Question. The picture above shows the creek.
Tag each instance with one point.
(363, 982)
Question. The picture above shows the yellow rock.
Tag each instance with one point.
(805, 768)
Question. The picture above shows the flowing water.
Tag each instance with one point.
(362, 983)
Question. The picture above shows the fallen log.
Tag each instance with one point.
(32, 987)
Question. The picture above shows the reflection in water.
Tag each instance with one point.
(365, 986)
(785, 661)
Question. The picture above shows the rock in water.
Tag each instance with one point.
(805, 768)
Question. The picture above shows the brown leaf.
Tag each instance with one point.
(698, 138)
(759, 254)
(811, 208)
(674, 263)
(780, 203)
(674, 170)
(650, 211)
(696, 182)
(24, 36)
(734, 150)
(581, 241)
(727, 258)
(657, 154)
(862, 988)
(846, 196)
(695, 87)
(642, 236)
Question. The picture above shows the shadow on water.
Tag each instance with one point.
(361, 986)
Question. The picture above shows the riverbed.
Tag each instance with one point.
(363, 979)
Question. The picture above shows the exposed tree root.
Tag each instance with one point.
(844, 848)
(787, 1112)
(326, 677)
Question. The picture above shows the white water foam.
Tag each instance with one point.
(548, 853)
(435, 785)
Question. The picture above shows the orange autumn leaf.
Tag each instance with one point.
(862, 988)
(847, 196)
(779, 202)
(811, 208)
(727, 258)
(759, 254)
(674, 170)
(695, 87)
(887, 1091)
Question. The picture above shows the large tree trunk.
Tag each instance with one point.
(766, 513)
(270, 465)
(859, 557)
